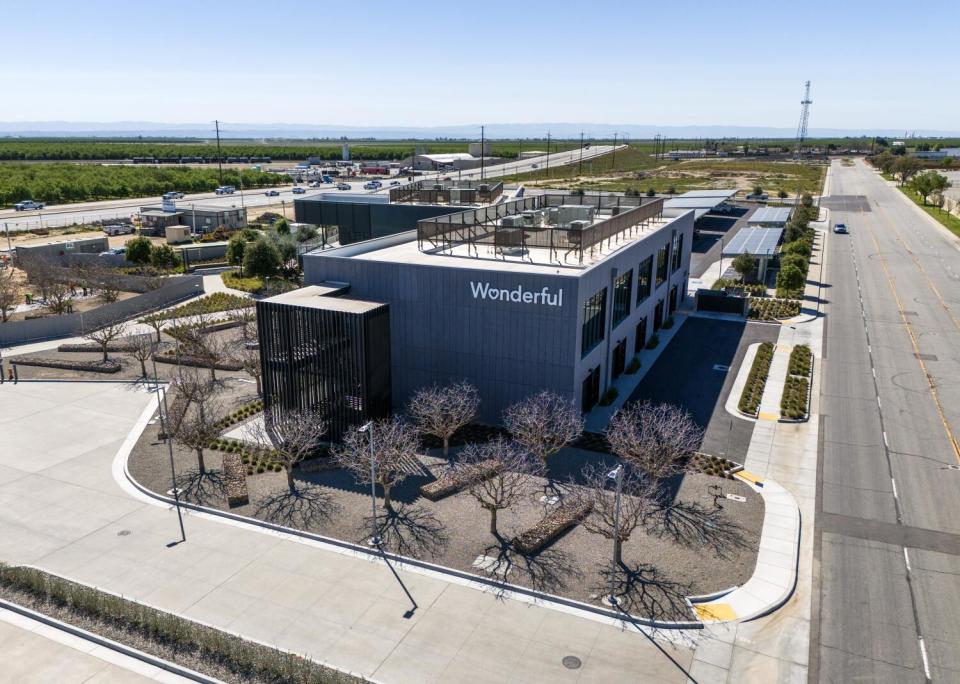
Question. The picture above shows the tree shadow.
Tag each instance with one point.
(694, 525)
(642, 590)
(201, 488)
(547, 570)
(306, 507)
(409, 530)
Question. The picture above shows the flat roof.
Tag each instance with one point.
(449, 157)
(318, 297)
(693, 202)
(725, 193)
(158, 212)
(754, 241)
(771, 215)
(188, 207)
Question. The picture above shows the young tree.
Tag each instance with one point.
(906, 167)
(441, 411)
(790, 278)
(194, 389)
(261, 258)
(157, 321)
(782, 194)
(598, 489)
(142, 349)
(106, 334)
(210, 347)
(744, 265)
(510, 482)
(198, 428)
(164, 257)
(543, 424)
(249, 358)
(235, 250)
(247, 318)
(294, 435)
(757, 190)
(138, 250)
(282, 226)
(9, 292)
(395, 449)
(657, 439)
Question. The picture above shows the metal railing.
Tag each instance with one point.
(428, 192)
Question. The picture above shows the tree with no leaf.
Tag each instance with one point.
(508, 485)
(395, 449)
(157, 321)
(106, 334)
(198, 428)
(598, 489)
(294, 435)
(250, 360)
(142, 348)
(543, 424)
(194, 389)
(657, 439)
(441, 411)
(9, 292)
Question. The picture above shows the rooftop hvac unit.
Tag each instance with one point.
(514, 221)
(575, 212)
(533, 217)
(455, 195)
(552, 213)
(484, 187)
(579, 225)
(438, 186)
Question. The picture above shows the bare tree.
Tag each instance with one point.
(9, 292)
(597, 488)
(198, 428)
(395, 449)
(655, 438)
(209, 347)
(510, 482)
(441, 411)
(543, 423)
(250, 360)
(194, 388)
(106, 334)
(247, 318)
(141, 348)
(157, 321)
(293, 434)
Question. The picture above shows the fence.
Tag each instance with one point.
(68, 325)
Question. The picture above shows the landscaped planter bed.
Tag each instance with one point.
(769, 309)
(757, 379)
(109, 366)
(795, 402)
(196, 362)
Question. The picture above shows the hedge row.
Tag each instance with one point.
(211, 303)
(756, 380)
(456, 479)
(197, 362)
(241, 414)
(764, 309)
(551, 527)
(800, 359)
(109, 366)
(793, 404)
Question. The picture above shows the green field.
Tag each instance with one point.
(59, 182)
(951, 222)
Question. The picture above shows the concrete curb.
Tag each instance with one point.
(108, 643)
(732, 405)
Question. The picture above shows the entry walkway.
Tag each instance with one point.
(62, 510)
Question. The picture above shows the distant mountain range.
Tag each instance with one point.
(149, 129)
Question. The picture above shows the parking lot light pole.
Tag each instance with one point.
(165, 426)
(367, 428)
(617, 475)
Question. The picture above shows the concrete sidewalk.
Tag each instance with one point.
(62, 510)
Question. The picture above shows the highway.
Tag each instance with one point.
(70, 214)
(887, 532)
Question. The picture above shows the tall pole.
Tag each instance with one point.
(164, 423)
(548, 155)
(482, 140)
(618, 476)
(368, 429)
(580, 166)
(6, 229)
(219, 155)
(613, 162)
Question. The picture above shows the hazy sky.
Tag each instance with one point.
(873, 63)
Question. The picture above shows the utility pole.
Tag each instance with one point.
(219, 156)
(580, 165)
(613, 162)
(548, 155)
(482, 140)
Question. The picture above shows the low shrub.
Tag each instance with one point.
(550, 527)
(211, 303)
(633, 366)
(196, 362)
(109, 366)
(753, 289)
(800, 358)
(667, 324)
(609, 396)
(90, 347)
(756, 380)
(456, 479)
(793, 404)
(653, 342)
(765, 309)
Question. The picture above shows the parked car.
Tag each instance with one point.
(225, 190)
(118, 229)
(762, 197)
(28, 205)
(343, 186)
(299, 191)
(840, 228)
(118, 251)
(173, 194)
(272, 193)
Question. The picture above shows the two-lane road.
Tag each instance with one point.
(888, 515)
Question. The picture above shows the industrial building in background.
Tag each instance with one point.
(199, 217)
(542, 292)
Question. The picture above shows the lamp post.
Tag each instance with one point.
(165, 425)
(617, 475)
(367, 428)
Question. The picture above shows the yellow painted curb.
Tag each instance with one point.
(749, 477)
(714, 611)
(768, 416)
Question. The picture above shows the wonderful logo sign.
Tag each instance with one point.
(517, 294)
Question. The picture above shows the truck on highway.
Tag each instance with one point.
(28, 205)
(173, 194)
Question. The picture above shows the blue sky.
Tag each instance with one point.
(874, 64)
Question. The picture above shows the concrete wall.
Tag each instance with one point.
(175, 289)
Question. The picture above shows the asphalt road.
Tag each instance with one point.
(887, 532)
(70, 214)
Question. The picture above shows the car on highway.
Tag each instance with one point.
(173, 194)
(394, 182)
(840, 228)
(28, 205)
(343, 186)
(272, 193)
(299, 191)
(225, 190)
(371, 186)
(534, 166)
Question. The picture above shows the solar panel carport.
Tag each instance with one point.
(760, 243)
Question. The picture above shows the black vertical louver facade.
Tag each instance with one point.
(327, 353)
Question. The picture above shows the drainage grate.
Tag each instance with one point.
(571, 662)
(926, 357)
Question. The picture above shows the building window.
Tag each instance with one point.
(641, 339)
(619, 358)
(594, 321)
(677, 251)
(644, 275)
(662, 265)
(622, 290)
(590, 390)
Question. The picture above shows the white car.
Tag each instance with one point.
(225, 190)
(371, 186)
(28, 205)
(343, 186)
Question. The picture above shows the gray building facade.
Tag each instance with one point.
(513, 328)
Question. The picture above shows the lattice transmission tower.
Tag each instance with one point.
(804, 119)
